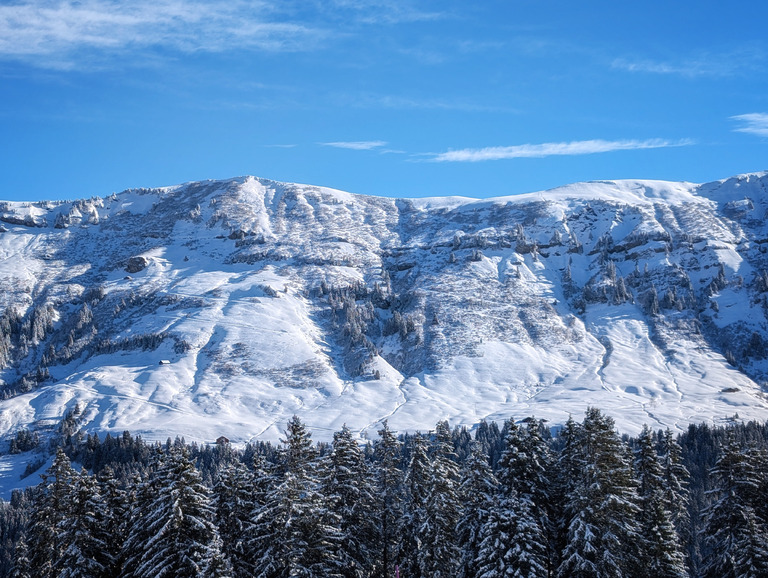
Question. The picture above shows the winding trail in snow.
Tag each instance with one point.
(606, 359)
(400, 404)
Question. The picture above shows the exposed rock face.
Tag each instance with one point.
(645, 298)
(136, 264)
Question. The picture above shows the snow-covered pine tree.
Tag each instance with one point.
(477, 490)
(51, 508)
(262, 550)
(84, 534)
(263, 480)
(233, 502)
(662, 551)
(512, 543)
(118, 509)
(182, 539)
(348, 486)
(218, 565)
(736, 537)
(389, 498)
(490, 438)
(525, 467)
(565, 471)
(676, 476)
(141, 494)
(22, 567)
(514, 540)
(751, 557)
(439, 556)
(601, 535)
(295, 533)
(417, 477)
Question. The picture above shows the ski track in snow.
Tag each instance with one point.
(404, 399)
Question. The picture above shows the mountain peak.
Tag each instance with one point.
(267, 299)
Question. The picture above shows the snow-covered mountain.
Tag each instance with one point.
(225, 307)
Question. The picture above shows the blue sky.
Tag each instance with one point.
(403, 98)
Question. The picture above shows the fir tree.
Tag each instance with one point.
(84, 533)
(233, 499)
(118, 509)
(601, 504)
(263, 480)
(493, 556)
(490, 438)
(50, 511)
(514, 541)
(477, 491)
(22, 567)
(751, 555)
(218, 566)
(389, 488)
(735, 535)
(142, 496)
(524, 470)
(675, 483)
(262, 526)
(349, 489)
(525, 463)
(439, 555)
(417, 478)
(295, 533)
(663, 552)
(183, 539)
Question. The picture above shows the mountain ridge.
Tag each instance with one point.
(645, 298)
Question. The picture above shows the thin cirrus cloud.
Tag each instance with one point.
(713, 65)
(586, 147)
(753, 123)
(65, 33)
(362, 145)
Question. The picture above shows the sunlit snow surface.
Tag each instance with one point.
(233, 269)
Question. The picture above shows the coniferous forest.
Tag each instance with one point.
(497, 501)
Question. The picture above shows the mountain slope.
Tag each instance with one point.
(645, 298)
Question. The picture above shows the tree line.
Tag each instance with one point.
(516, 500)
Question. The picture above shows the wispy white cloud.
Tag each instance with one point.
(372, 100)
(753, 123)
(702, 65)
(364, 145)
(586, 147)
(65, 33)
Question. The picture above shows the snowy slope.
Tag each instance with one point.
(270, 299)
